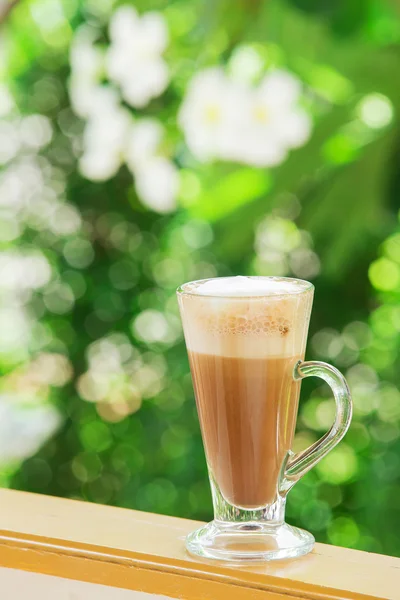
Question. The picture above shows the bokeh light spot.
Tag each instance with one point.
(246, 63)
(384, 274)
(123, 274)
(151, 326)
(339, 466)
(316, 515)
(190, 187)
(375, 110)
(86, 466)
(59, 298)
(197, 234)
(343, 531)
(95, 436)
(79, 253)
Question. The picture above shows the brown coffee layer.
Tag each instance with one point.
(247, 409)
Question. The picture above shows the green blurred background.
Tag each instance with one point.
(127, 167)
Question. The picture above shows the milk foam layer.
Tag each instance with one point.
(247, 317)
(249, 286)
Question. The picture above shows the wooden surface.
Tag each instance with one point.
(21, 585)
(144, 552)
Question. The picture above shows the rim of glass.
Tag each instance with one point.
(308, 286)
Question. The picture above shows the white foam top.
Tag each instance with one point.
(249, 286)
(250, 317)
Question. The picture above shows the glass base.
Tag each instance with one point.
(249, 542)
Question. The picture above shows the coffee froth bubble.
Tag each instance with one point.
(248, 317)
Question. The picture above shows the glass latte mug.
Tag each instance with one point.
(246, 339)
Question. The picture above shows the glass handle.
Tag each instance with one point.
(298, 464)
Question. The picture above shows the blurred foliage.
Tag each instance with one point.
(91, 329)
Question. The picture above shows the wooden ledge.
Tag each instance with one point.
(145, 552)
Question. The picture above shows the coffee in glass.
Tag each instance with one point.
(246, 339)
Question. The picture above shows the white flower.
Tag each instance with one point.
(157, 184)
(134, 58)
(280, 88)
(106, 101)
(87, 64)
(109, 130)
(156, 177)
(133, 61)
(99, 165)
(230, 121)
(23, 430)
(82, 93)
(122, 24)
(146, 83)
(86, 59)
(275, 123)
(144, 140)
(208, 114)
(105, 136)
